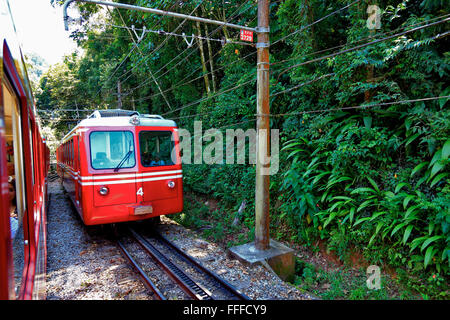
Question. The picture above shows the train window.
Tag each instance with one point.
(156, 148)
(16, 178)
(31, 149)
(110, 149)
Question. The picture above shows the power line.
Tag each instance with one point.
(273, 95)
(301, 112)
(140, 52)
(327, 56)
(367, 44)
(182, 82)
(302, 84)
(360, 40)
(210, 97)
(123, 60)
(192, 52)
(319, 59)
(354, 107)
(193, 36)
(232, 16)
(145, 59)
(317, 21)
(142, 84)
(290, 89)
(153, 77)
(207, 113)
(291, 34)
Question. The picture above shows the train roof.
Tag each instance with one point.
(121, 118)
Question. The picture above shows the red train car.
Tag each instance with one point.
(24, 163)
(119, 166)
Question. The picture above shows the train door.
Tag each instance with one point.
(16, 179)
(6, 286)
(77, 169)
(160, 170)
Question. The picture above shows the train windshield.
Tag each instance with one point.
(111, 148)
(156, 148)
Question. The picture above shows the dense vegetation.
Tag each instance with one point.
(372, 179)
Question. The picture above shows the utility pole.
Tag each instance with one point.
(262, 199)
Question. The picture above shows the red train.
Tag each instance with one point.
(119, 166)
(24, 163)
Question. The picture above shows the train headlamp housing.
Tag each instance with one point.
(103, 191)
(135, 120)
(171, 184)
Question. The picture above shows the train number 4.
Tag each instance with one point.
(140, 192)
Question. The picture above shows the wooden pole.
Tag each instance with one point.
(263, 130)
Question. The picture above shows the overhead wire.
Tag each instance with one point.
(309, 25)
(315, 22)
(192, 52)
(333, 55)
(145, 59)
(233, 15)
(319, 59)
(369, 43)
(362, 39)
(308, 111)
(182, 82)
(140, 52)
(170, 34)
(370, 105)
(123, 60)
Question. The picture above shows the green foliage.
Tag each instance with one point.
(375, 178)
(337, 284)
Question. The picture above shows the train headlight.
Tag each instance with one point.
(103, 191)
(135, 120)
(171, 184)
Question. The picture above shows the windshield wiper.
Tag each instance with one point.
(123, 160)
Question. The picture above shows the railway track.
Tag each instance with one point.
(192, 279)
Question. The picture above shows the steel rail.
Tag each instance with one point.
(154, 11)
(147, 281)
(188, 285)
(226, 285)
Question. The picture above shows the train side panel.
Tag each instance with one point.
(22, 175)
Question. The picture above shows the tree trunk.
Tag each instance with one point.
(211, 60)
(202, 56)
(224, 19)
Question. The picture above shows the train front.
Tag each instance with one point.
(133, 169)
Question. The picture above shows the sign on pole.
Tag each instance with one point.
(247, 35)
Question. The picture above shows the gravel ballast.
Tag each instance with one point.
(84, 264)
